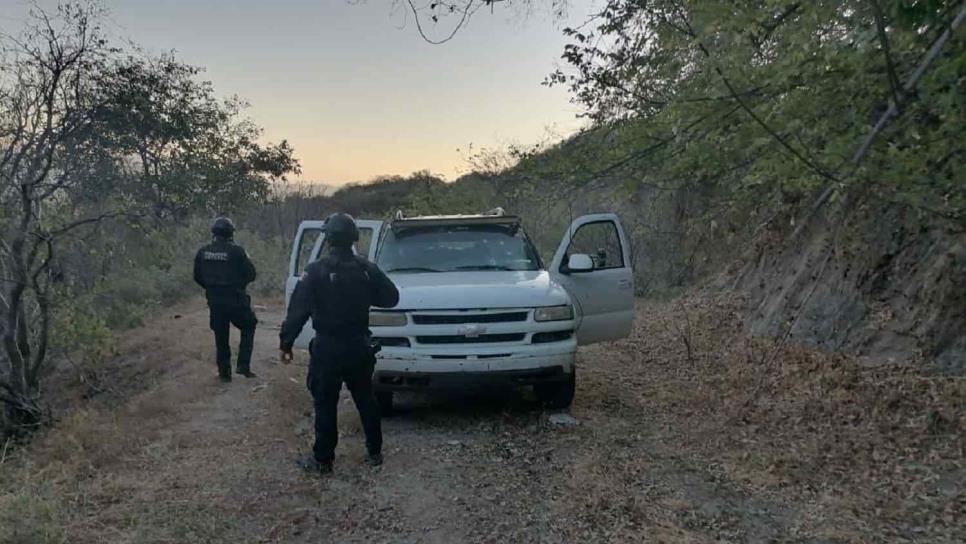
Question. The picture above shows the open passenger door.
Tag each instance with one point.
(593, 264)
(306, 249)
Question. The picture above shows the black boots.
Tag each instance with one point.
(312, 466)
(374, 460)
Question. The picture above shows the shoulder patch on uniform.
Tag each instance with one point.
(216, 256)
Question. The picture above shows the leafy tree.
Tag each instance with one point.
(780, 96)
(48, 101)
(88, 134)
(748, 100)
(190, 150)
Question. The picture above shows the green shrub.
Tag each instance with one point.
(31, 514)
(270, 256)
(80, 331)
(146, 268)
(173, 285)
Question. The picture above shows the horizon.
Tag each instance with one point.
(398, 104)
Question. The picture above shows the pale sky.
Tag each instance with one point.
(353, 87)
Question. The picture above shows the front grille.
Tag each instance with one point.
(392, 341)
(457, 319)
(546, 337)
(481, 339)
(487, 356)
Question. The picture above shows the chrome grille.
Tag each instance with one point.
(460, 319)
(479, 339)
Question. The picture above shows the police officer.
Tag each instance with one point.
(224, 270)
(337, 292)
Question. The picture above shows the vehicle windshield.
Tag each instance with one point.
(454, 248)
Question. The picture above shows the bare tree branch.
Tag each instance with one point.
(880, 27)
(43, 302)
(467, 11)
(891, 112)
(88, 221)
(910, 85)
(801, 156)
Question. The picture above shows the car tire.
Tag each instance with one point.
(557, 395)
(384, 399)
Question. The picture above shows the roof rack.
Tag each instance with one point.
(495, 212)
(493, 217)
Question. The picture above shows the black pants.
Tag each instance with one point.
(224, 314)
(336, 361)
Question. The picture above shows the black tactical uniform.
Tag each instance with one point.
(337, 292)
(224, 270)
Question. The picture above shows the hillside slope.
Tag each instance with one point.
(890, 286)
(878, 280)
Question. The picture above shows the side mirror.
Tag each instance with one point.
(580, 262)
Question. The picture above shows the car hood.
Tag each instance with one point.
(477, 290)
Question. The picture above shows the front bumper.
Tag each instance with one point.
(467, 374)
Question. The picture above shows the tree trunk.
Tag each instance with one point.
(23, 411)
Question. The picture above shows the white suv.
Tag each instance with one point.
(478, 308)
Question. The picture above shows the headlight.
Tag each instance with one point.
(554, 313)
(387, 319)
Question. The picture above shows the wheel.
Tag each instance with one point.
(557, 395)
(384, 398)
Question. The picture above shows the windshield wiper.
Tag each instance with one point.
(486, 267)
(412, 269)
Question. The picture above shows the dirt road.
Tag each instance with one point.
(171, 455)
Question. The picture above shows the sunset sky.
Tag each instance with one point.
(352, 85)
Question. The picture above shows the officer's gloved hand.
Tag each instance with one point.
(286, 356)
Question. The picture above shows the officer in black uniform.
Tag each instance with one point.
(224, 270)
(337, 292)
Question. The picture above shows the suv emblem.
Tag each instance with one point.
(471, 331)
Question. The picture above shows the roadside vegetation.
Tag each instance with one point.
(790, 175)
(106, 156)
(723, 136)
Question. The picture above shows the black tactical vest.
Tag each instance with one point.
(222, 272)
(344, 298)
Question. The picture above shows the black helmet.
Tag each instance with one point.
(341, 229)
(223, 226)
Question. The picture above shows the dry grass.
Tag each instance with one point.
(738, 440)
(879, 450)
